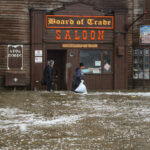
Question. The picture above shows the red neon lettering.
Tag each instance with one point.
(76, 35)
(100, 35)
(84, 35)
(67, 37)
(92, 35)
(58, 36)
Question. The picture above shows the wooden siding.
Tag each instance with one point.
(102, 82)
(147, 5)
(14, 29)
(120, 65)
(37, 44)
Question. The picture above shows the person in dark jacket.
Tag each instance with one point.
(48, 74)
(77, 77)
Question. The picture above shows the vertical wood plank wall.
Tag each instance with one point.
(37, 44)
(120, 65)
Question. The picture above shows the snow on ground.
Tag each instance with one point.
(17, 118)
(43, 120)
(147, 94)
(14, 117)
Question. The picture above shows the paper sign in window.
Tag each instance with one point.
(96, 70)
(107, 66)
(97, 63)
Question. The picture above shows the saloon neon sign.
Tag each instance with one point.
(69, 27)
(84, 35)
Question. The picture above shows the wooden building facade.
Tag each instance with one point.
(104, 35)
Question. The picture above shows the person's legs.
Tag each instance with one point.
(49, 86)
(74, 87)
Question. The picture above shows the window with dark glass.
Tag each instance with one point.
(96, 61)
(141, 64)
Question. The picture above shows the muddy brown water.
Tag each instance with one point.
(68, 121)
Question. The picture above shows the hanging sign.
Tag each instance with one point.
(15, 57)
(83, 29)
(71, 45)
(79, 22)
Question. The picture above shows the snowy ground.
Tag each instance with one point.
(68, 121)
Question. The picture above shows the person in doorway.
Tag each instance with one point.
(48, 74)
(78, 76)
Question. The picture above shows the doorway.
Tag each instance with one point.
(59, 73)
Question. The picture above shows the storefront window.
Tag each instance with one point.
(96, 61)
(141, 64)
(91, 60)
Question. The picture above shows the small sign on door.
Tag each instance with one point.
(38, 53)
(38, 59)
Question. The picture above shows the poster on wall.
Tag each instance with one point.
(15, 57)
(145, 34)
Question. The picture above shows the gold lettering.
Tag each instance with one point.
(71, 21)
(109, 23)
(51, 21)
(78, 22)
(58, 22)
(90, 21)
(104, 22)
(80, 45)
(95, 22)
(67, 21)
(100, 23)
(62, 22)
(82, 21)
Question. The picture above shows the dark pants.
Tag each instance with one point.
(49, 86)
(74, 86)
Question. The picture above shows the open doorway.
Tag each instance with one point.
(59, 56)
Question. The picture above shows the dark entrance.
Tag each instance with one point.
(59, 56)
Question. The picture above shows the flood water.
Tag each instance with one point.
(68, 121)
